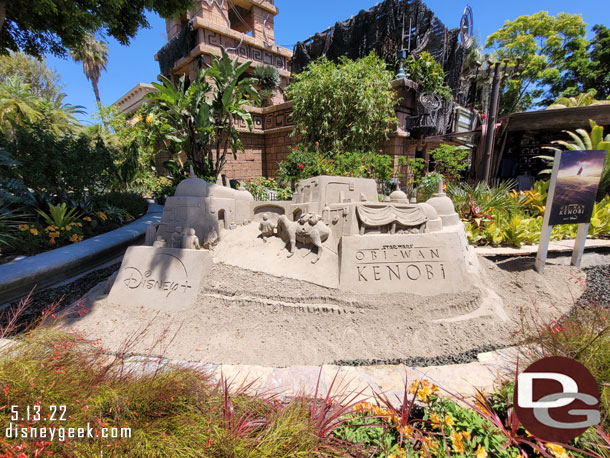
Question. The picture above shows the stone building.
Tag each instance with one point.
(245, 28)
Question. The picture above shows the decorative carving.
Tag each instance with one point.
(266, 227)
(190, 241)
(177, 237)
(309, 229)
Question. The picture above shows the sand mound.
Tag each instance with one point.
(247, 317)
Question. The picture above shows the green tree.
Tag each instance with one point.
(544, 45)
(94, 55)
(40, 27)
(581, 100)
(588, 73)
(429, 74)
(43, 81)
(201, 119)
(348, 106)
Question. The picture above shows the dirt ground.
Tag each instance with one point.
(247, 317)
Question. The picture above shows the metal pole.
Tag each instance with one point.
(492, 119)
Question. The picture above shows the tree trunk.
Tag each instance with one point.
(2, 13)
(97, 92)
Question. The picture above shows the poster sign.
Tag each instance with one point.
(576, 186)
(574, 183)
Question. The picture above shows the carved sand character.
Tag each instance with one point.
(309, 229)
(177, 237)
(266, 227)
(191, 241)
(151, 235)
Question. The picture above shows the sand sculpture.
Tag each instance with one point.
(373, 247)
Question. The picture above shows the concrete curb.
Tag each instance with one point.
(18, 278)
(561, 246)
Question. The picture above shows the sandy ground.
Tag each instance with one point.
(247, 317)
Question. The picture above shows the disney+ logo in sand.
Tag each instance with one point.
(557, 399)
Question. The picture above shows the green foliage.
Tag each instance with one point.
(43, 81)
(134, 204)
(343, 107)
(39, 27)
(260, 186)
(426, 71)
(450, 161)
(68, 166)
(201, 119)
(543, 44)
(59, 215)
(302, 164)
(584, 99)
(267, 80)
(587, 72)
(497, 216)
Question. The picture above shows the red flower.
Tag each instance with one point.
(296, 148)
(330, 162)
(317, 143)
(301, 166)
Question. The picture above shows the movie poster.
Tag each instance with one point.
(576, 186)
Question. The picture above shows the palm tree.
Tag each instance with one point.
(94, 55)
(18, 105)
(584, 99)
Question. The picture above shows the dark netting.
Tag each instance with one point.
(380, 29)
(178, 47)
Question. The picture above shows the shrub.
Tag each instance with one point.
(63, 167)
(342, 107)
(429, 74)
(260, 186)
(134, 204)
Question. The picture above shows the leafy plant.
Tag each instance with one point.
(450, 161)
(344, 106)
(267, 80)
(133, 204)
(260, 187)
(200, 119)
(60, 215)
(426, 71)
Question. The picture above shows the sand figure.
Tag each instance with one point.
(151, 235)
(266, 227)
(177, 237)
(160, 242)
(309, 229)
(190, 240)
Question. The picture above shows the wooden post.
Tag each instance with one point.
(545, 234)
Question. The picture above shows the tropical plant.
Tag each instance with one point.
(344, 106)
(267, 80)
(18, 105)
(59, 215)
(260, 187)
(581, 100)
(93, 54)
(201, 119)
(426, 71)
(43, 81)
(450, 161)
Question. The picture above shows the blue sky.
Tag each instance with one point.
(129, 65)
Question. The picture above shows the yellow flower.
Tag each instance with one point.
(466, 435)
(449, 420)
(74, 238)
(63, 228)
(429, 444)
(23, 227)
(80, 224)
(434, 420)
(54, 234)
(149, 118)
(407, 431)
(34, 231)
(557, 450)
(102, 216)
(86, 218)
(457, 443)
(480, 452)
(137, 119)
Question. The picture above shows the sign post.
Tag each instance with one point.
(572, 191)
